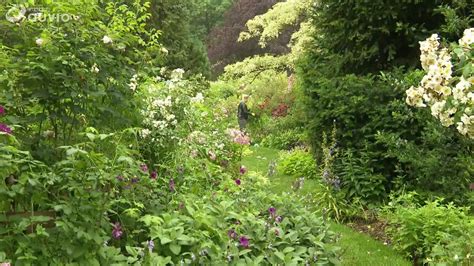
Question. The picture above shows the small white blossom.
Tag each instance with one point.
(107, 39)
(39, 41)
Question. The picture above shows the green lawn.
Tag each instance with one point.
(358, 249)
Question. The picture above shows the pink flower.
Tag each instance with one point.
(153, 175)
(244, 242)
(238, 182)
(243, 170)
(242, 139)
(117, 231)
(144, 167)
(5, 264)
(6, 129)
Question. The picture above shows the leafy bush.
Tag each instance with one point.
(433, 232)
(297, 162)
(358, 180)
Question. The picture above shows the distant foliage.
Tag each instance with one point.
(223, 47)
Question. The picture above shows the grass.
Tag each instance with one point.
(358, 249)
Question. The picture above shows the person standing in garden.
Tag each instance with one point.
(243, 113)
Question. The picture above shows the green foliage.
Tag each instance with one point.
(370, 36)
(358, 180)
(59, 77)
(298, 162)
(398, 143)
(433, 232)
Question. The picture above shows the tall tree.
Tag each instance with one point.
(223, 45)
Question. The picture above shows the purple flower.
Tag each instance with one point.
(272, 212)
(172, 185)
(120, 178)
(2, 110)
(6, 129)
(238, 182)
(117, 231)
(135, 180)
(244, 242)
(279, 219)
(243, 170)
(153, 175)
(144, 167)
(232, 234)
(151, 245)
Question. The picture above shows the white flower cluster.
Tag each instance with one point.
(177, 74)
(133, 83)
(467, 39)
(451, 105)
(159, 116)
(199, 98)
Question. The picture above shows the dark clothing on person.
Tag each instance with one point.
(243, 112)
(243, 115)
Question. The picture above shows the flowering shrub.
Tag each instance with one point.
(447, 90)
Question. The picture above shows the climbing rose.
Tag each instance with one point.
(244, 242)
(117, 231)
(238, 182)
(243, 170)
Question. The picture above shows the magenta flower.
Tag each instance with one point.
(243, 170)
(117, 231)
(238, 182)
(144, 167)
(244, 242)
(272, 212)
(232, 234)
(2, 110)
(172, 185)
(6, 129)
(153, 175)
